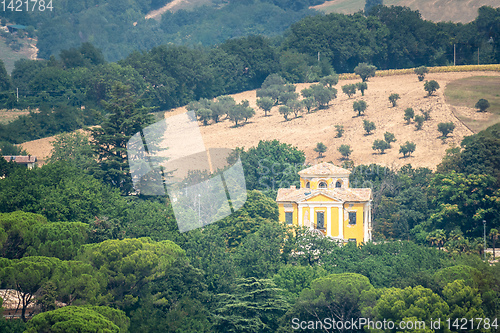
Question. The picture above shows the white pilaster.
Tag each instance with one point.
(328, 221)
(365, 222)
(300, 222)
(341, 222)
(311, 217)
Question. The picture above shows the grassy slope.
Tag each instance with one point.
(464, 93)
(434, 10)
(304, 132)
(9, 57)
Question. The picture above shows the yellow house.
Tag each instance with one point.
(325, 202)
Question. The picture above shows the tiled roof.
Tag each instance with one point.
(21, 159)
(343, 195)
(325, 169)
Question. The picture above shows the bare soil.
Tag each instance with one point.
(309, 129)
(8, 115)
(41, 148)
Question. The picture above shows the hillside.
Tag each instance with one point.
(434, 10)
(28, 50)
(306, 131)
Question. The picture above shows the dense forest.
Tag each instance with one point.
(70, 232)
(119, 27)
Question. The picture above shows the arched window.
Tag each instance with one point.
(308, 185)
(338, 184)
(322, 185)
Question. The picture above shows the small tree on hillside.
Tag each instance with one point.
(380, 145)
(204, 115)
(307, 92)
(362, 86)
(323, 95)
(421, 71)
(320, 148)
(241, 112)
(266, 104)
(309, 103)
(349, 89)
(359, 107)
(393, 98)
(365, 71)
(446, 128)
(431, 86)
(345, 150)
(285, 111)
(482, 105)
(221, 107)
(389, 138)
(272, 87)
(286, 96)
(407, 148)
(409, 114)
(369, 126)
(419, 122)
(426, 114)
(296, 107)
(340, 130)
(330, 80)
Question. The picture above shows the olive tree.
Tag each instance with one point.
(380, 145)
(359, 107)
(482, 105)
(369, 126)
(421, 71)
(407, 148)
(393, 98)
(365, 70)
(446, 128)
(320, 148)
(345, 150)
(431, 86)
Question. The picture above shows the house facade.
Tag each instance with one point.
(326, 203)
(28, 161)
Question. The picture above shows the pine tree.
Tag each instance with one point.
(126, 118)
(255, 306)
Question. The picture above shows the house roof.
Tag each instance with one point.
(16, 26)
(340, 194)
(324, 169)
(21, 159)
